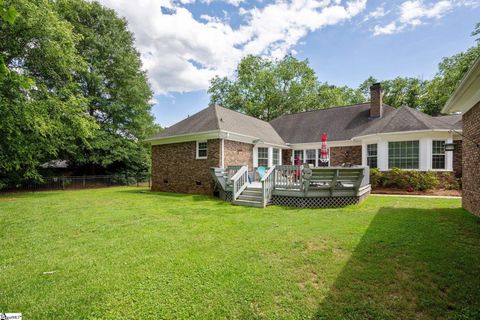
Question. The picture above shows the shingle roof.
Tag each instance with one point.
(340, 123)
(219, 118)
(408, 119)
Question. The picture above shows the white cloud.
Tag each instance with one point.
(414, 13)
(375, 14)
(182, 53)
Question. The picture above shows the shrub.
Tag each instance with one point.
(421, 181)
(395, 178)
(376, 177)
(448, 181)
(407, 180)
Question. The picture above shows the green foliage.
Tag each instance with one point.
(404, 179)
(448, 181)
(442, 86)
(267, 89)
(376, 178)
(41, 109)
(114, 86)
(71, 87)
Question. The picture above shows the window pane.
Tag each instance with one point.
(202, 149)
(262, 157)
(310, 157)
(276, 153)
(403, 154)
(372, 155)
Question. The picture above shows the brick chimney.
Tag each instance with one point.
(376, 101)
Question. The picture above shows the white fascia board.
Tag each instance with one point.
(249, 139)
(402, 134)
(214, 134)
(317, 145)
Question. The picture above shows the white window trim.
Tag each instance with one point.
(446, 154)
(197, 150)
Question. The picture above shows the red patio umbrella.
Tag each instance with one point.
(297, 163)
(324, 150)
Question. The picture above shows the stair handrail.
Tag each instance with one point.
(268, 183)
(239, 181)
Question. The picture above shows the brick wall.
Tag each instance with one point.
(457, 158)
(238, 153)
(287, 156)
(350, 154)
(175, 169)
(471, 160)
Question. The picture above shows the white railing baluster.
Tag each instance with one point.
(239, 181)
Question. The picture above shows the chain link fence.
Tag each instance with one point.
(80, 182)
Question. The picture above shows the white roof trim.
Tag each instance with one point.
(467, 93)
(401, 132)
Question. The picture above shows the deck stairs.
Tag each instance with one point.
(252, 196)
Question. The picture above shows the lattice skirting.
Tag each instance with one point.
(324, 202)
(226, 195)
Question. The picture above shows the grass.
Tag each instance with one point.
(132, 254)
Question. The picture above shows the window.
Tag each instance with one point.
(310, 157)
(297, 154)
(202, 149)
(276, 157)
(372, 155)
(438, 154)
(262, 157)
(403, 154)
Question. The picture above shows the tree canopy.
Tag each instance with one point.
(71, 87)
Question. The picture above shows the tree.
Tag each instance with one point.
(115, 88)
(41, 109)
(451, 71)
(267, 89)
(397, 92)
(333, 96)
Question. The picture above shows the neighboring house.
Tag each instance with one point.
(372, 134)
(466, 99)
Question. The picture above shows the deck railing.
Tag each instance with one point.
(288, 177)
(268, 184)
(239, 181)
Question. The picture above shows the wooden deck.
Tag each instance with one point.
(294, 185)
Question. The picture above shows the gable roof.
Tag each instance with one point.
(339, 123)
(408, 119)
(216, 118)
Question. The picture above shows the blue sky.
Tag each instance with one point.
(183, 43)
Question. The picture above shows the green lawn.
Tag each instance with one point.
(132, 254)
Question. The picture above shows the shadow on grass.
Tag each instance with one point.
(411, 263)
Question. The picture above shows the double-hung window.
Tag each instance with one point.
(438, 154)
(275, 156)
(262, 156)
(202, 147)
(310, 156)
(404, 154)
(372, 155)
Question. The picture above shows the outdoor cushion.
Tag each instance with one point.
(261, 171)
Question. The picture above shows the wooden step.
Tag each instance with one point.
(247, 197)
(257, 204)
(248, 192)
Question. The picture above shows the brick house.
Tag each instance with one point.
(369, 134)
(466, 99)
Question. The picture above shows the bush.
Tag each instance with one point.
(407, 180)
(395, 178)
(448, 181)
(376, 177)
